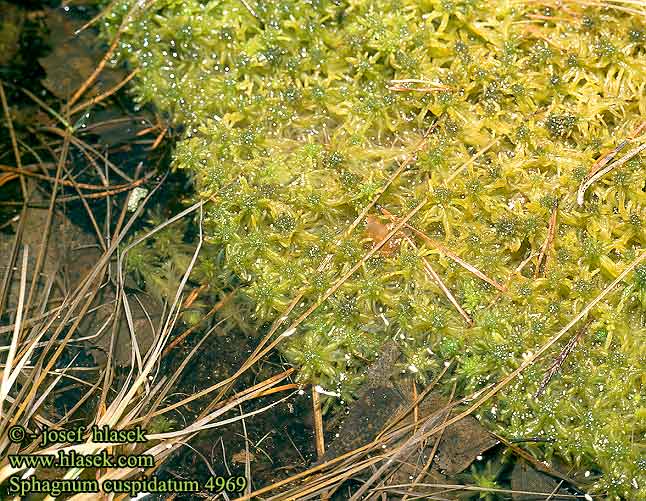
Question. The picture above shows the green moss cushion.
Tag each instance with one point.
(297, 114)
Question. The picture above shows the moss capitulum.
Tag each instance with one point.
(294, 125)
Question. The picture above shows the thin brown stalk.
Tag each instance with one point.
(86, 149)
(11, 260)
(12, 136)
(50, 216)
(558, 362)
(211, 389)
(538, 465)
(551, 234)
(401, 88)
(318, 423)
(416, 406)
(638, 131)
(97, 71)
(105, 95)
(460, 169)
(216, 307)
(169, 384)
(109, 193)
(448, 253)
(89, 212)
(96, 18)
(603, 160)
(438, 280)
(159, 138)
(25, 172)
(436, 444)
(422, 396)
(602, 172)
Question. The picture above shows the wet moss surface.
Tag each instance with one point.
(484, 127)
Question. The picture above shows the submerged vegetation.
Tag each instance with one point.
(462, 177)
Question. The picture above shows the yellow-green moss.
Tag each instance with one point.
(293, 123)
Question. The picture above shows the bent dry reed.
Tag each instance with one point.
(507, 132)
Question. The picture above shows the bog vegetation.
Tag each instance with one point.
(466, 178)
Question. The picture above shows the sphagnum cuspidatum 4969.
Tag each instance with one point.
(515, 125)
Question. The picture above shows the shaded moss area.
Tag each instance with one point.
(484, 119)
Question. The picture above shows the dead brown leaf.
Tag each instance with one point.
(74, 58)
(526, 478)
(461, 445)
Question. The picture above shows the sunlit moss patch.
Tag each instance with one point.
(299, 113)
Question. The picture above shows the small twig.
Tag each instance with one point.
(92, 78)
(555, 490)
(194, 294)
(88, 210)
(318, 431)
(640, 128)
(49, 109)
(247, 459)
(600, 172)
(105, 95)
(436, 444)
(63, 182)
(108, 193)
(556, 365)
(401, 85)
(539, 465)
(448, 253)
(459, 170)
(438, 280)
(159, 138)
(86, 149)
(415, 403)
(12, 135)
(318, 423)
(400, 88)
(97, 17)
(188, 331)
(551, 233)
(541, 17)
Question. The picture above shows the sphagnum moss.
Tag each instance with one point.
(294, 125)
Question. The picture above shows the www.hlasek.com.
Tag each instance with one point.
(69, 456)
